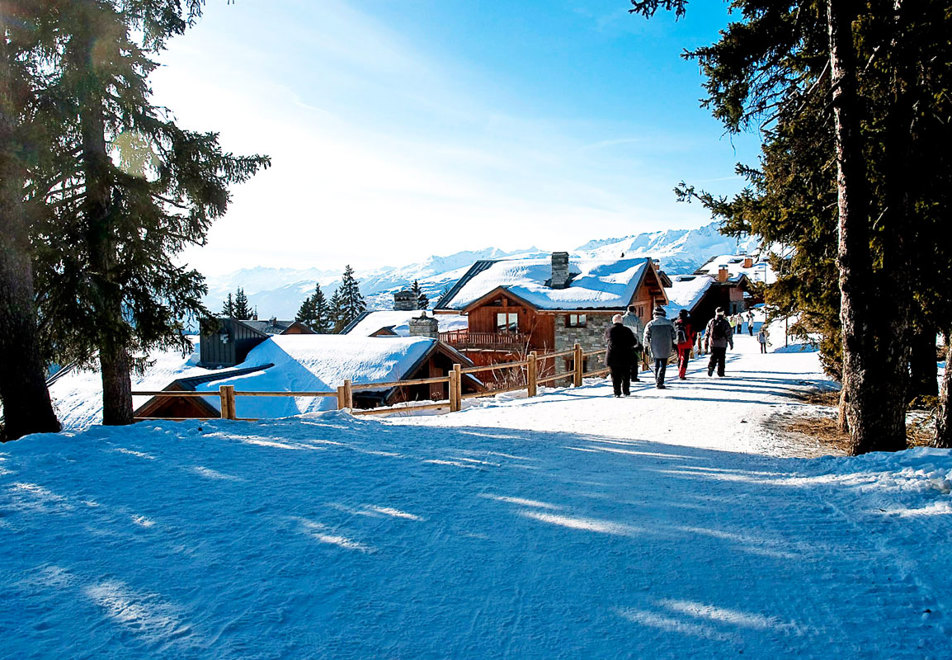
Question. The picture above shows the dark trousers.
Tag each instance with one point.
(621, 382)
(660, 366)
(635, 364)
(750, 329)
(718, 355)
(763, 348)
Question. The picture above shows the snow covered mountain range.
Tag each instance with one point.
(278, 292)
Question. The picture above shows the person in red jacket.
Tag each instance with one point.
(685, 341)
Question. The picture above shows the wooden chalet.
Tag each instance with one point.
(514, 306)
(702, 294)
(226, 341)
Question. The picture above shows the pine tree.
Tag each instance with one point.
(124, 189)
(242, 309)
(228, 307)
(351, 302)
(322, 322)
(305, 313)
(314, 312)
(24, 399)
(861, 87)
(422, 301)
(336, 312)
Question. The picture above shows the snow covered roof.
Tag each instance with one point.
(759, 271)
(269, 327)
(686, 291)
(595, 283)
(318, 363)
(399, 322)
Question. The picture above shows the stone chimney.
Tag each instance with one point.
(404, 301)
(425, 326)
(560, 270)
(722, 273)
(748, 261)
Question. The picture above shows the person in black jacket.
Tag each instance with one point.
(621, 344)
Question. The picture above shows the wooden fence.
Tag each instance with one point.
(345, 393)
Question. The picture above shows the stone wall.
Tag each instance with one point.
(591, 337)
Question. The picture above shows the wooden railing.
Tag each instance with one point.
(467, 339)
(454, 379)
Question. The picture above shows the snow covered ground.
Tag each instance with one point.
(671, 524)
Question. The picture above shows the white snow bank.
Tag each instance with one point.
(77, 394)
(330, 536)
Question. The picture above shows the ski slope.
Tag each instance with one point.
(674, 523)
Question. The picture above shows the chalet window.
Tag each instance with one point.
(507, 322)
(575, 321)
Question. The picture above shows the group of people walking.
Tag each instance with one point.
(628, 343)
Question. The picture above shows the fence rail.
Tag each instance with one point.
(454, 380)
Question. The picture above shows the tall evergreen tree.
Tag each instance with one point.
(228, 307)
(422, 301)
(242, 309)
(796, 67)
(314, 312)
(305, 313)
(351, 302)
(126, 190)
(24, 399)
(321, 311)
(336, 312)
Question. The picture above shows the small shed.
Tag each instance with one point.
(226, 341)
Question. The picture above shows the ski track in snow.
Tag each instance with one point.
(673, 523)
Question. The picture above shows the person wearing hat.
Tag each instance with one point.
(618, 357)
(661, 342)
(718, 336)
(633, 323)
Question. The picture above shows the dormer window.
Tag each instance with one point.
(575, 321)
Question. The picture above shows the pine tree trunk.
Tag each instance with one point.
(116, 386)
(97, 212)
(943, 426)
(26, 400)
(922, 365)
(868, 399)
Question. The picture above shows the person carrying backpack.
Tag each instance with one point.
(719, 335)
(684, 337)
(660, 340)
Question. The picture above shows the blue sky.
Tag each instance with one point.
(404, 129)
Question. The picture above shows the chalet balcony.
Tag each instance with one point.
(494, 341)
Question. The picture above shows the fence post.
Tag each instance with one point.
(223, 401)
(226, 394)
(456, 389)
(341, 398)
(577, 363)
(451, 395)
(532, 369)
(348, 394)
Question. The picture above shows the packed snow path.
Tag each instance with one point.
(569, 525)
